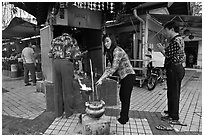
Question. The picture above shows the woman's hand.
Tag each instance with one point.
(99, 82)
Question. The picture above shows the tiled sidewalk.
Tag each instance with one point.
(145, 113)
(150, 102)
(72, 126)
(21, 101)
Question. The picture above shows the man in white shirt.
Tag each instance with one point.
(29, 64)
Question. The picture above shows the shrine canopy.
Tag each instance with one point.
(19, 28)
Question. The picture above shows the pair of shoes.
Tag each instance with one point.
(27, 84)
(164, 128)
(166, 118)
(176, 122)
(122, 121)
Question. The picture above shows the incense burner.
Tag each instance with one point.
(95, 109)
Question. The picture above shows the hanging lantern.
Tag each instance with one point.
(62, 8)
(102, 5)
(55, 9)
(191, 37)
(111, 7)
(186, 32)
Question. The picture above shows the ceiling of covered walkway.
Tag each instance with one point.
(192, 23)
(179, 11)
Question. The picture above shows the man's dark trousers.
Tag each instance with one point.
(63, 87)
(175, 74)
(29, 67)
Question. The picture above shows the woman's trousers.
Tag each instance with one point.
(125, 95)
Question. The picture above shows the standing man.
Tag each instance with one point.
(29, 64)
(174, 59)
(64, 49)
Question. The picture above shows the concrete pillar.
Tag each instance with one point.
(46, 36)
(199, 58)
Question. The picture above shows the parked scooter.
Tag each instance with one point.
(155, 76)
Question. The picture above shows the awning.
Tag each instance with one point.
(192, 23)
(19, 28)
(37, 9)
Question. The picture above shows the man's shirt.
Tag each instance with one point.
(64, 47)
(121, 64)
(175, 51)
(28, 55)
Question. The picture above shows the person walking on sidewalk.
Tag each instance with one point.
(29, 64)
(64, 49)
(174, 59)
(120, 63)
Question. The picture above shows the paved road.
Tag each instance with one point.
(146, 107)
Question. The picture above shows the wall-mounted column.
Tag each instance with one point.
(199, 58)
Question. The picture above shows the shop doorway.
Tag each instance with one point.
(191, 50)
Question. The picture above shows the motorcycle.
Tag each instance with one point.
(155, 75)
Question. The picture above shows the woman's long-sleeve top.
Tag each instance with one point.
(121, 64)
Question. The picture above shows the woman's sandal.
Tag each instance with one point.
(176, 122)
(164, 128)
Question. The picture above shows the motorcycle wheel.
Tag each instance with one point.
(152, 82)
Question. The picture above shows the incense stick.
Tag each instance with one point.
(92, 81)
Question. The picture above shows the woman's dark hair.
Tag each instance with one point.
(109, 52)
(171, 25)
